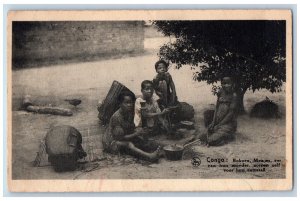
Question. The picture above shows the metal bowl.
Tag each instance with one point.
(187, 124)
(173, 152)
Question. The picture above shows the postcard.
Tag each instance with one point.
(149, 100)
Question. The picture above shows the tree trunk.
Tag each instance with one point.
(240, 103)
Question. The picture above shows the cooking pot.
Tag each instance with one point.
(175, 152)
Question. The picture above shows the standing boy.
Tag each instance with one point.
(164, 85)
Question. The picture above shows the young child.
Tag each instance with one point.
(121, 135)
(164, 85)
(147, 112)
(224, 122)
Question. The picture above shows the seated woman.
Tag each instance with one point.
(121, 135)
(224, 122)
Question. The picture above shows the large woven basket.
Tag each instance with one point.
(110, 104)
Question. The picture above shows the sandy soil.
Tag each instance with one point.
(90, 81)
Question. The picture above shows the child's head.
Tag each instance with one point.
(126, 100)
(161, 66)
(227, 84)
(147, 89)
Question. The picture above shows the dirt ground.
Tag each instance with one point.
(90, 81)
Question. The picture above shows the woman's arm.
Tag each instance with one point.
(118, 134)
(133, 135)
(172, 86)
(212, 125)
(216, 110)
(155, 114)
(231, 112)
(156, 80)
(215, 113)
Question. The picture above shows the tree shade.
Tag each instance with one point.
(251, 52)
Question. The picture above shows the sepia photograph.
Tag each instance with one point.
(149, 100)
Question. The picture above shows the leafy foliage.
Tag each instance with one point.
(251, 52)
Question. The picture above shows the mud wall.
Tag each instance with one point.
(36, 43)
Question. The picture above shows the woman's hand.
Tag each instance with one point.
(166, 111)
(211, 127)
(140, 131)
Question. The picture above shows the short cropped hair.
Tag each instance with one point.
(161, 62)
(145, 82)
(228, 78)
(125, 93)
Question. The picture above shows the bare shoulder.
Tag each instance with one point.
(116, 116)
(168, 75)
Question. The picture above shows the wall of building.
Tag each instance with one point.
(49, 42)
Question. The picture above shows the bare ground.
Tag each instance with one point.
(90, 81)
